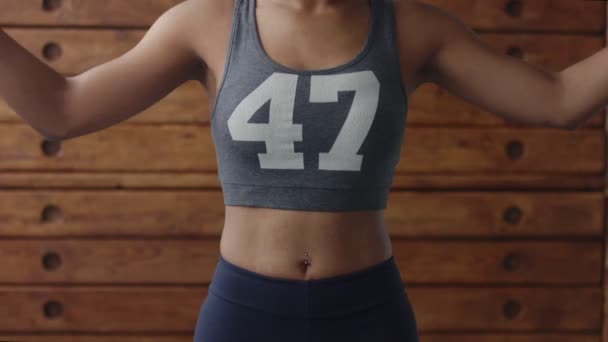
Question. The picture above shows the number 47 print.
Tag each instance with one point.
(280, 132)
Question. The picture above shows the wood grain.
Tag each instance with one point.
(431, 337)
(532, 15)
(428, 262)
(528, 15)
(174, 309)
(200, 213)
(106, 13)
(424, 337)
(494, 214)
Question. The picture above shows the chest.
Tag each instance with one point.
(312, 42)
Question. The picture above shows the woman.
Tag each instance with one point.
(309, 99)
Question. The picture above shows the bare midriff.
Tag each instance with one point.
(303, 245)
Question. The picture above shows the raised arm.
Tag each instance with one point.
(61, 107)
(509, 87)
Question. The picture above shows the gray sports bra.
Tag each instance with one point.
(318, 140)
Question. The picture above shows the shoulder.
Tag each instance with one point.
(203, 26)
(434, 21)
(421, 30)
(193, 20)
(200, 17)
(203, 7)
(208, 9)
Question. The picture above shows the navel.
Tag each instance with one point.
(305, 261)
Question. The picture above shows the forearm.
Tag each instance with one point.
(30, 87)
(584, 88)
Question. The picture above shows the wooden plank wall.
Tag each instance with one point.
(114, 235)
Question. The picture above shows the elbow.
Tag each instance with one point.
(50, 133)
(54, 129)
(53, 136)
(561, 119)
(58, 127)
(60, 131)
(568, 124)
(571, 121)
(555, 118)
(571, 127)
(564, 116)
(559, 122)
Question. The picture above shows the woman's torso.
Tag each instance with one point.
(303, 245)
(288, 243)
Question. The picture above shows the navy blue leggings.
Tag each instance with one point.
(364, 306)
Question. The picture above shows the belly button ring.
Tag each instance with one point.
(306, 263)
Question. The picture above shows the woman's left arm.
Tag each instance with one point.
(509, 87)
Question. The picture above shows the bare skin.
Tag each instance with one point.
(189, 42)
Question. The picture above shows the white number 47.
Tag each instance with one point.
(280, 132)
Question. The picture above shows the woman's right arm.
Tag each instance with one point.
(61, 107)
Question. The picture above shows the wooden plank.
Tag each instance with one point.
(175, 309)
(424, 337)
(200, 213)
(429, 105)
(437, 262)
(436, 337)
(179, 148)
(112, 213)
(507, 309)
(117, 338)
(501, 150)
(106, 13)
(499, 262)
(498, 214)
(533, 15)
(109, 261)
(471, 180)
(528, 15)
(174, 148)
(100, 309)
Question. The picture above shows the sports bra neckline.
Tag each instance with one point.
(371, 33)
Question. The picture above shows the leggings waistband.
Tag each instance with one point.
(326, 297)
